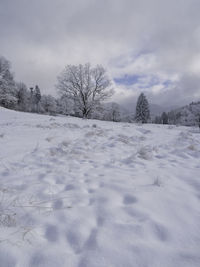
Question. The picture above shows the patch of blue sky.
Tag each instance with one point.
(167, 83)
(154, 80)
(143, 52)
(143, 81)
(126, 59)
(127, 79)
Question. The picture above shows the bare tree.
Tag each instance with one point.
(87, 86)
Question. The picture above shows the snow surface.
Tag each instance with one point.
(89, 193)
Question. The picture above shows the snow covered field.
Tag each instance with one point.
(89, 193)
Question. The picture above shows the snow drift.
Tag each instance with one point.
(83, 193)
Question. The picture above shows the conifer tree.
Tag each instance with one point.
(164, 118)
(37, 97)
(22, 96)
(142, 109)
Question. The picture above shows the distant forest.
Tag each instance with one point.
(82, 93)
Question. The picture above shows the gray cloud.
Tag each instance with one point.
(155, 38)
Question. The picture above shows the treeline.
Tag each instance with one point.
(82, 93)
(16, 95)
(188, 115)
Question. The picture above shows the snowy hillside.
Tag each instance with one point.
(85, 193)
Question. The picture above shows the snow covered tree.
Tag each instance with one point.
(7, 85)
(198, 120)
(142, 109)
(37, 97)
(85, 85)
(164, 118)
(115, 112)
(99, 112)
(172, 117)
(48, 104)
(65, 106)
(31, 100)
(112, 112)
(157, 120)
(22, 96)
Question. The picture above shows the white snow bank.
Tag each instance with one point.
(97, 194)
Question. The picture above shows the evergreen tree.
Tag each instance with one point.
(198, 120)
(37, 97)
(22, 96)
(142, 109)
(164, 118)
(37, 94)
(157, 120)
(31, 100)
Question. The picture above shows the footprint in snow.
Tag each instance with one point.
(51, 233)
(129, 199)
(69, 187)
(160, 232)
(91, 191)
(100, 221)
(143, 131)
(91, 243)
(5, 173)
(140, 216)
(41, 176)
(101, 184)
(57, 204)
(74, 241)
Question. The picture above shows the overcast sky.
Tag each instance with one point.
(146, 45)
